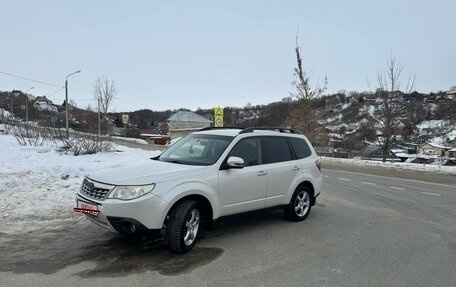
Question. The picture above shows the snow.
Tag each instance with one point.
(435, 167)
(451, 135)
(440, 141)
(133, 140)
(371, 111)
(38, 185)
(337, 117)
(432, 124)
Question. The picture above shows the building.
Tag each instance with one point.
(432, 149)
(152, 136)
(183, 123)
(43, 103)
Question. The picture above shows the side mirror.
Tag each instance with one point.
(235, 162)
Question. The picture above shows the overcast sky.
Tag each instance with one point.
(173, 54)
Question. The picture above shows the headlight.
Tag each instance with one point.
(130, 192)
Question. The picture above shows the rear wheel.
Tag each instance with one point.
(300, 204)
(183, 226)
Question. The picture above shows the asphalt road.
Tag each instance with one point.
(366, 230)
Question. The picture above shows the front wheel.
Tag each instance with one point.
(183, 226)
(300, 204)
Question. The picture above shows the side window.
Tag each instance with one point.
(249, 149)
(276, 149)
(300, 147)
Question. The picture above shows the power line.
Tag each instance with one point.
(24, 78)
(56, 92)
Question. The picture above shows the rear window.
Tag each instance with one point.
(275, 149)
(301, 148)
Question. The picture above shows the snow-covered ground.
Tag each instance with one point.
(38, 184)
(435, 167)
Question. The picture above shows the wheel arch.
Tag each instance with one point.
(303, 179)
(311, 188)
(206, 206)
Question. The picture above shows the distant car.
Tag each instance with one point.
(204, 176)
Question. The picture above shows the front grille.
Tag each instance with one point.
(90, 189)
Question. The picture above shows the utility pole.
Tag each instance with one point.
(99, 119)
(67, 132)
(26, 111)
(66, 104)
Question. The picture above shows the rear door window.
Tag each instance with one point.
(301, 148)
(275, 149)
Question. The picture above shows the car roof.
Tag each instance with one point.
(220, 132)
(252, 131)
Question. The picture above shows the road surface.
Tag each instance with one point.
(365, 230)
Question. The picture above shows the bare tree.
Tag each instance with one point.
(391, 109)
(302, 84)
(303, 116)
(104, 92)
(366, 132)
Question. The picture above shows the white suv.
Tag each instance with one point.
(206, 175)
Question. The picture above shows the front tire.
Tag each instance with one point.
(300, 204)
(184, 226)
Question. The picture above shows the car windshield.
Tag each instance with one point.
(197, 150)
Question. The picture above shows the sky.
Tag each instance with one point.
(189, 54)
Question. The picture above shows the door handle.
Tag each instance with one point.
(296, 167)
(261, 172)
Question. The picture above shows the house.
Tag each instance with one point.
(451, 154)
(152, 136)
(375, 152)
(183, 123)
(432, 149)
(4, 114)
(43, 103)
(403, 128)
(451, 139)
(402, 154)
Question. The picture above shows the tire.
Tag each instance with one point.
(184, 226)
(300, 204)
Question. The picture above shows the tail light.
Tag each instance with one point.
(318, 164)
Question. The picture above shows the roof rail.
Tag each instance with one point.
(218, 128)
(281, 130)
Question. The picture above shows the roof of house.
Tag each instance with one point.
(434, 145)
(186, 116)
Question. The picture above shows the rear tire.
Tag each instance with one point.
(184, 226)
(300, 204)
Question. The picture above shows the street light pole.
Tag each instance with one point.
(99, 119)
(66, 103)
(26, 111)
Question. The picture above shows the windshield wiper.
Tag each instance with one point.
(173, 161)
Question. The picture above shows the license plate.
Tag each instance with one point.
(87, 206)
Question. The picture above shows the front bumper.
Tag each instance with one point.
(145, 212)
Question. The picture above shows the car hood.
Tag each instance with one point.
(144, 172)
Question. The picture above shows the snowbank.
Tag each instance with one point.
(436, 167)
(133, 140)
(432, 124)
(38, 185)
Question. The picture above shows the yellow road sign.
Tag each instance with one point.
(218, 117)
(125, 118)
